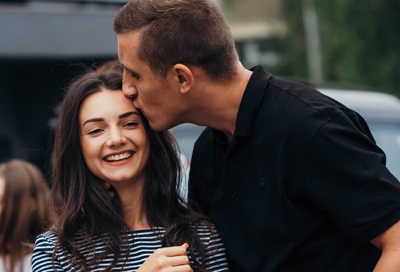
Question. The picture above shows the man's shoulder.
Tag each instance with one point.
(205, 137)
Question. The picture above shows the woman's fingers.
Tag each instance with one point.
(175, 250)
(173, 259)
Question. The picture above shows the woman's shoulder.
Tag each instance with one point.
(216, 253)
(208, 234)
(204, 227)
(49, 239)
(46, 239)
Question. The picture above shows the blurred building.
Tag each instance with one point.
(258, 28)
(45, 43)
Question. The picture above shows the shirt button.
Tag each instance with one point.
(233, 195)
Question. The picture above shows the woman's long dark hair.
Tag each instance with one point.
(82, 202)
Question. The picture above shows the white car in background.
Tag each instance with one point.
(380, 110)
(382, 113)
(186, 135)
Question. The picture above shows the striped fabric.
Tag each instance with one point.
(142, 244)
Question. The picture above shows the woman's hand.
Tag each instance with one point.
(171, 259)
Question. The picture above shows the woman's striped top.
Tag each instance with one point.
(142, 243)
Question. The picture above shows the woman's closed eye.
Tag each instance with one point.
(95, 131)
(131, 124)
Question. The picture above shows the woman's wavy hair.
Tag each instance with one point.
(83, 203)
(25, 209)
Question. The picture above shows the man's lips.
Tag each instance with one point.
(136, 104)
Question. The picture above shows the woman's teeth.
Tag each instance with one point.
(118, 157)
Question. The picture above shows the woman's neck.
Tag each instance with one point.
(132, 207)
(135, 216)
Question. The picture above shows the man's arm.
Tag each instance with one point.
(389, 243)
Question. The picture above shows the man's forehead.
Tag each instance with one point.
(125, 61)
(127, 53)
(128, 39)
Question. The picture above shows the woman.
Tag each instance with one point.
(24, 214)
(140, 222)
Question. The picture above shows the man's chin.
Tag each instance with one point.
(159, 126)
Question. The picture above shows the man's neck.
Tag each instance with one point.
(218, 103)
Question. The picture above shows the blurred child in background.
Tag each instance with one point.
(24, 213)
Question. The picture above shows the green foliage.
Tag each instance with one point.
(360, 42)
(293, 59)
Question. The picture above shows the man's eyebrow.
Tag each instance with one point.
(126, 68)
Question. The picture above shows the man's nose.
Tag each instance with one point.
(129, 90)
(128, 87)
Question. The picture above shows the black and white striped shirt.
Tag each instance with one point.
(142, 244)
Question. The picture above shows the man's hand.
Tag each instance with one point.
(167, 259)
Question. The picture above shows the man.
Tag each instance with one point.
(292, 179)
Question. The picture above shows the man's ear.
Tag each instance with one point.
(184, 77)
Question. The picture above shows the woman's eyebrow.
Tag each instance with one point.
(126, 114)
(93, 120)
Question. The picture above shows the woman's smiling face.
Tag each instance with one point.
(113, 138)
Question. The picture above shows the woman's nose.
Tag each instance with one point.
(116, 139)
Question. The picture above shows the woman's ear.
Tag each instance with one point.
(183, 76)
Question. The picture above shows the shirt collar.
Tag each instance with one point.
(251, 101)
(249, 106)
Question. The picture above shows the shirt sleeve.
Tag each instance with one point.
(216, 257)
(42, 257)
(347, 178)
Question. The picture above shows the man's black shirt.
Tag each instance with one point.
(300, 187)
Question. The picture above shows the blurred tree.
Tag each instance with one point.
(293, 60)
(360, 42)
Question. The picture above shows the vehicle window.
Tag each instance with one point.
(386, 134)
(387, 137)
(186, 135)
